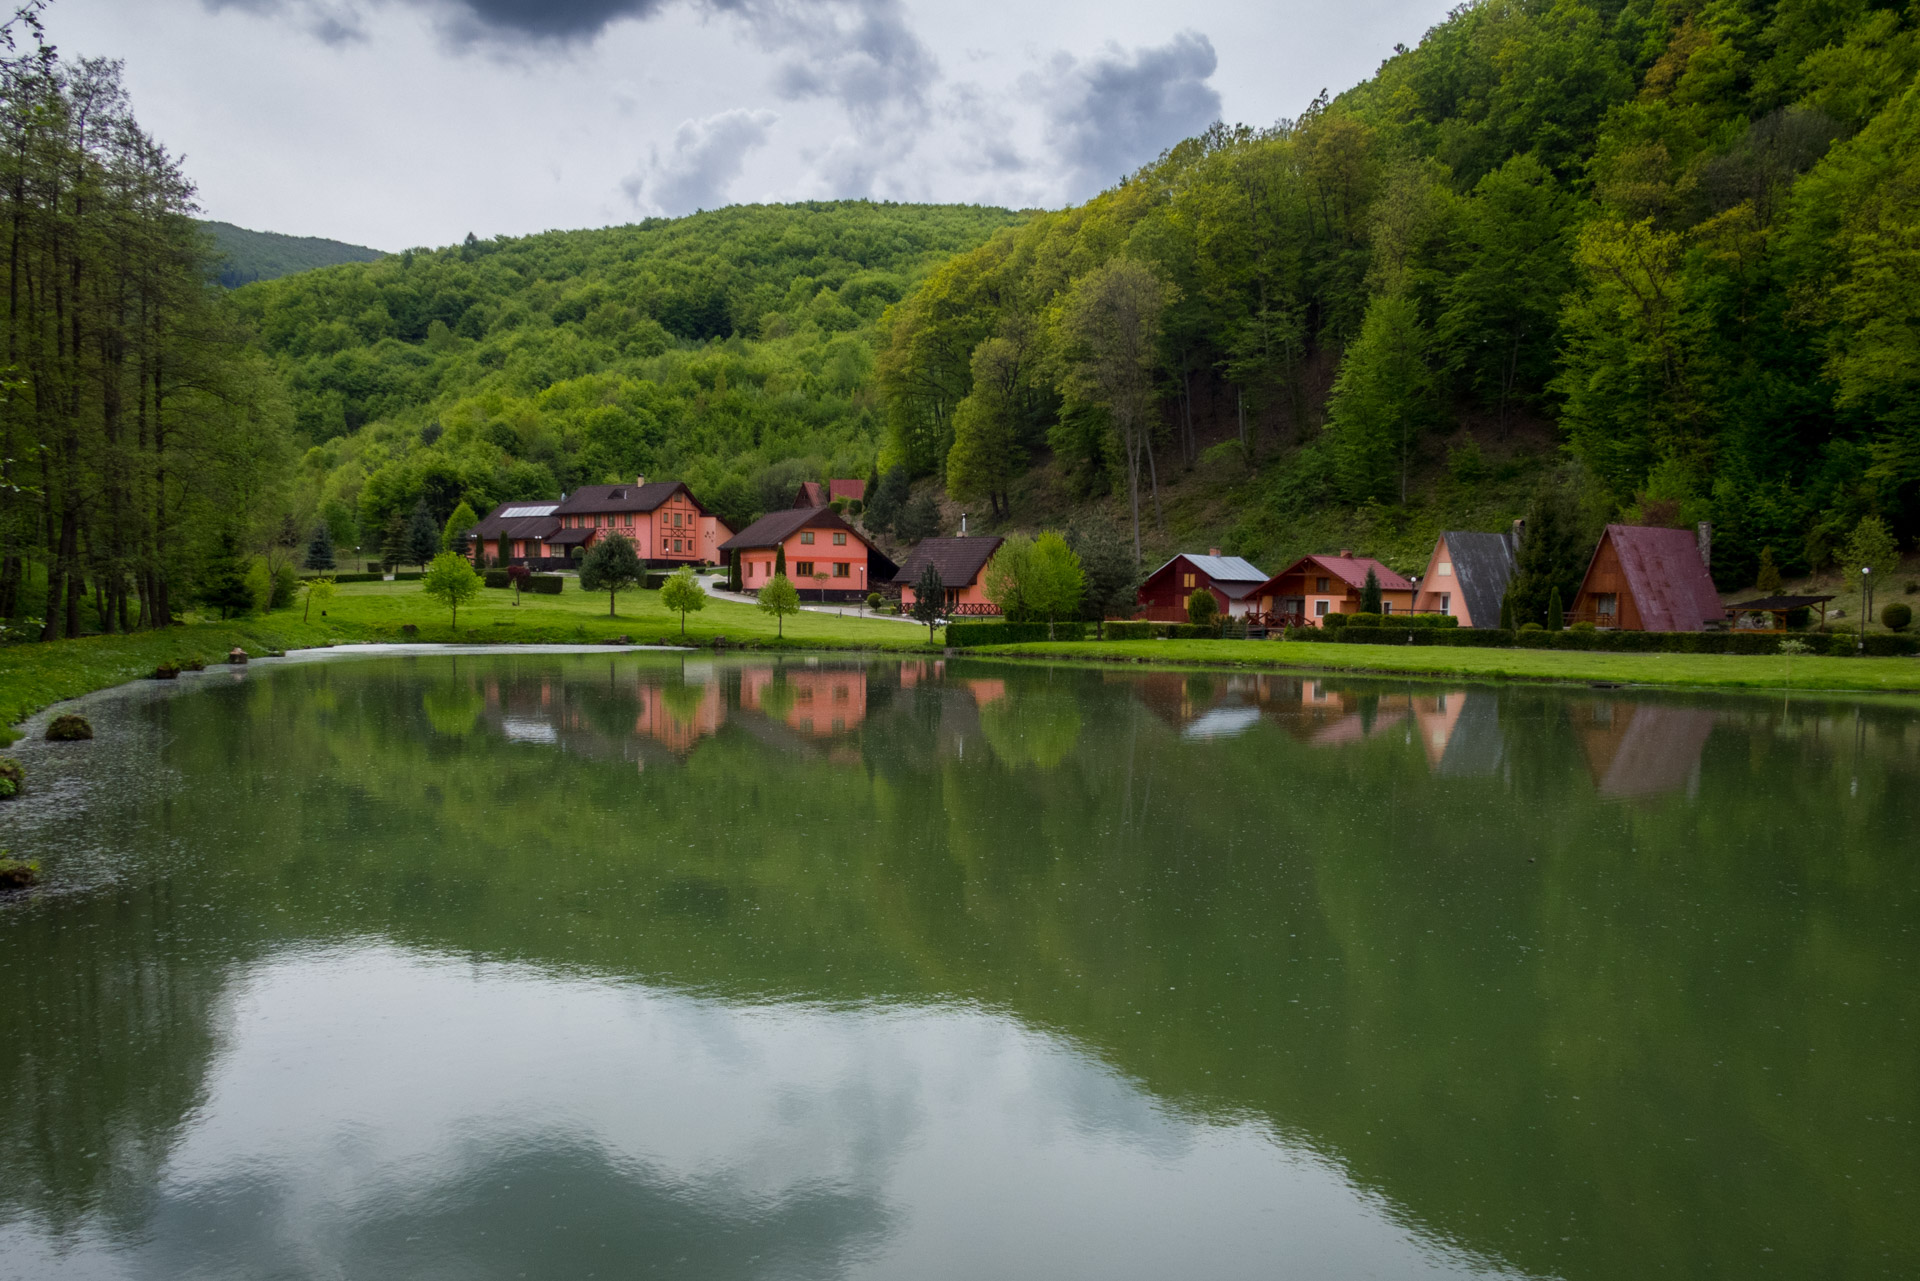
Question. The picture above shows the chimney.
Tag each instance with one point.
(963, 524)
(1705, 536)
(1213, 551)
(639, 480)
(1346, 553)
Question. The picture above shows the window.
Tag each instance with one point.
(1607, 603)
(804, 568)
(629, 520)
(1320, 585)
(840, 540)
(1186, 580)
(1446, 602)
(1319, 609)
(1386, 607)
(842, 570)
(806, 537)
(1446, 569)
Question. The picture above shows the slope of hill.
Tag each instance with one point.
(247, 256)
(731, 349)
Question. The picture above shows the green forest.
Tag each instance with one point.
(246, 256)
(1637, 261)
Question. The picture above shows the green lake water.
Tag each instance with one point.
(627, 964)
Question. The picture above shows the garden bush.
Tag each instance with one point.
(964, 635)
(1132, 630)
(545, 584)
(1897, 616)
(497, 578)
(1333, 622)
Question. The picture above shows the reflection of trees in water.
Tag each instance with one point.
(1350, 941)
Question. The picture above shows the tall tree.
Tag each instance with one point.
(1110, 330)
(611, 565)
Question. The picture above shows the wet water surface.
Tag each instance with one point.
(626, 964)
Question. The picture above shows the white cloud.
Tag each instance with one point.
(706, 158)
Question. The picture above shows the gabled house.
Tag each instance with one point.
(516, 533)
(823, 554)
(668, 526)
(814, 494)
(1646, 579)
(1313, 587)
(1163, 597)
(962, 563)
(1467, 576)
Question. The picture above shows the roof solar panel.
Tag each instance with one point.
(529, 511)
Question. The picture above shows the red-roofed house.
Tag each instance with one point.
(1643, 579)
(1163, 596)
(814, 494)
(1306, 591)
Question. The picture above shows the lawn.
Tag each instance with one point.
(33, 675)
(1732, 671)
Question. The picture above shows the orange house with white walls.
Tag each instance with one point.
(823, 554)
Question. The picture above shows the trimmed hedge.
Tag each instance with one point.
(1401, 620)
(497, 578)
(352, 578)
(1840, 646)
(970, 634)
(546, 584)
(1133, 631)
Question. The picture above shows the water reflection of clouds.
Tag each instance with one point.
(467, 1120)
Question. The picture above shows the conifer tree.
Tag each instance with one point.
(320, 548)
(1556, 618)
(929, 598)
(393, 541)
(454, 537)
(423, 540)
(1370, 593)
(224, 583)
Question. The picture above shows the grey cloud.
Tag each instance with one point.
(1111, 114)
(859, 53)
(706, 157)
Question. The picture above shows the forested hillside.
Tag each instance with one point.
(1662, 257)
(246, 256)
(732, 350)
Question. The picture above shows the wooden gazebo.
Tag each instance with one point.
(1777, 606)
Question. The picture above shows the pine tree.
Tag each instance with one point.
(320, 548)
(224, 585)
(1767, 581)
(423, 540)
(929, 598)
(454, 537)
(1370, 593)
(393, 541)
(780, 561)
(1556, 618)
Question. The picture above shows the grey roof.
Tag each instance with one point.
(620, 498)
(1222, 569)
(775, 528)
(1476, 747)
(1482, 565)
(499, 523)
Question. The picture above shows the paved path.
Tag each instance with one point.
(713, 589)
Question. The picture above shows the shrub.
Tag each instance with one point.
(1583, 628)
(167, 672)
(1842, 645)
(545, 584)
(1897, 616)
(1132, 631)
(1334, 622)
(1892, 646)
(1532, 627)
(13, 776)
(16, 874)
(498, 578)
(69, 729)
(874, 600)
(1364, 619)
(1202, 608)
(963, 635)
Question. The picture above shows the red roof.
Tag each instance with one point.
(848, 489)
(1351, 570)
(1669, 581)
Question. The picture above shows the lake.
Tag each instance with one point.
(564, 965)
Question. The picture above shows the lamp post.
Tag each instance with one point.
(1866, 601)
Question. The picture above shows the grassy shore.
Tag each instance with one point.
(32, 676)
(1725, 671)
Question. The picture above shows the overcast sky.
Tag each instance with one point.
(412, 122)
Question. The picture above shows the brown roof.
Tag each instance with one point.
(621, 498)
(776, 527)
(1773, 604)
(849, 489)
(1351, 570)
(1668, 579)
(959, 560)
(811, 494)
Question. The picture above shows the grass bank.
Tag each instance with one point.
(1723, 671)
(33, 676)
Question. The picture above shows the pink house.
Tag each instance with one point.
(822, 552)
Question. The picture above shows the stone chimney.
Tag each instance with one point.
(1519, 532)
(639, 480)
(1213, 551)
(1705, 536)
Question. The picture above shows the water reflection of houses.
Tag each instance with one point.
(1642, 749)
(818, 702)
